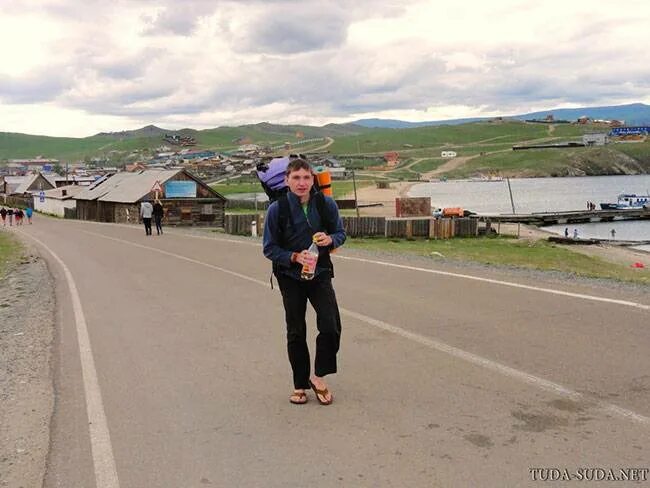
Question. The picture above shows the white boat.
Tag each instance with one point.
(628, 200)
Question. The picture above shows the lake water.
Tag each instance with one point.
(544, 195)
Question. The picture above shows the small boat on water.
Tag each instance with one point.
(628, 200)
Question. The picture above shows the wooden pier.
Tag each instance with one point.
(573, 217)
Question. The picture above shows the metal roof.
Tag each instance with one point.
(29, 181)
(57, 193)
(126, 187)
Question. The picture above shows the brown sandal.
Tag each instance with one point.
(301, 398)
(325, 392)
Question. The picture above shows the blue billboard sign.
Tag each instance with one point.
(180, 189)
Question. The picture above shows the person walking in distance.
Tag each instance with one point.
(3, 214)
(158, 213)
(10, 216)
(146, 211)
(293, 223)
(28, 213)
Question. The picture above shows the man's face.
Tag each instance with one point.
(300, 183)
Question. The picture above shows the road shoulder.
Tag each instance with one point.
(27, 307)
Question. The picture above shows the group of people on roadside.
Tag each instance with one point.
(149, 212)
(10, 214)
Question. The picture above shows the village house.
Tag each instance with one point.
(58, 201)
(8, 184)
(595, 139)
(186, 199)
(22, 185)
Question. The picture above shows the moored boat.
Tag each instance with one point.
(628, 200)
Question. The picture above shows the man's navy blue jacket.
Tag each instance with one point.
(278, 248)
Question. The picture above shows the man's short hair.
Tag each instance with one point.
(297, 164)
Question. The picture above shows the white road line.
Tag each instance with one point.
(100, 439)
(530, 379)
(582, 296)
(522, 376)
(503, 283)
(179, 256)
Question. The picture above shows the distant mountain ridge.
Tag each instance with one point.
(146, 131)
(632, 114)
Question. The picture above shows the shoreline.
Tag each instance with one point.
(613, 253)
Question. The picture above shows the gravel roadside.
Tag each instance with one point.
(27, 306)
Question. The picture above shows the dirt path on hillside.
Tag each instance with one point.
(329, 142)
(450, 165)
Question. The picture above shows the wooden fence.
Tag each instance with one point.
(19, 201)
(241, 225)
(375, 226)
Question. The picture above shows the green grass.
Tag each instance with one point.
(637, 150)
(9, 252)
(229, 188)
(554, 162)
(505, 251)
(427, 165)
(381, 140)
(343, 188)
(534, 162)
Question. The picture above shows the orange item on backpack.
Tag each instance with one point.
(324, 178)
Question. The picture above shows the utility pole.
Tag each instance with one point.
(354, 185)
(512, 203)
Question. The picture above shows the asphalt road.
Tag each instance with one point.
(444, 380)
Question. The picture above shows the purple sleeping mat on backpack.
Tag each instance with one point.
(274, 176)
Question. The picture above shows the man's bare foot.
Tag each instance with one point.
(298, 397)
(320, 389)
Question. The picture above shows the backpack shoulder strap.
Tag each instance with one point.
(284, 215)
(323, 211)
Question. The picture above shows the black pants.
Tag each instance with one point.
(147, 225)
(321, 295)
(158, 221)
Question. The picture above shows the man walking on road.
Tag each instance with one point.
(293, 222)
(158, 212)
(146, 211)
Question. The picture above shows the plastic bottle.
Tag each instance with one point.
(309, 268)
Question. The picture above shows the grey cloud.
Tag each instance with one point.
(179, 18)
(42, 86)
(291, 28)
(121, 100)
(294, 34)
(128, 67)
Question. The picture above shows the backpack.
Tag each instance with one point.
(271, 176)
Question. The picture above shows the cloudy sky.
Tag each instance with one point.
(78, 67)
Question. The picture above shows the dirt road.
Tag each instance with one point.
(448, 377)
